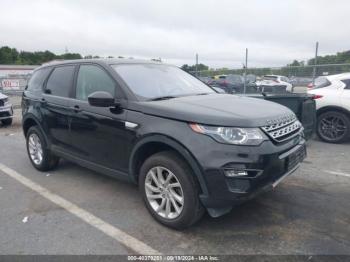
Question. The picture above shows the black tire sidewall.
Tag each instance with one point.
(7, 122)
(185, 177)
(341, 115)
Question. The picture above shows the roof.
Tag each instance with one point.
(18, 67)
(339, 76)
(108, 61)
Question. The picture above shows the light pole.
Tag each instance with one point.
(315, 65)
(245, 71)
(197, 65)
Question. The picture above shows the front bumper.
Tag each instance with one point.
(265, 170)
(6, 112)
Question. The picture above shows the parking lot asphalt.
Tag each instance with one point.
(308, 213)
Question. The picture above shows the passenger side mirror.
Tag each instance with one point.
(101, 99)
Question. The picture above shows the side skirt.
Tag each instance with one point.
(91, 165)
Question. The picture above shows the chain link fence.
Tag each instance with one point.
(13, 86)
(299, 75)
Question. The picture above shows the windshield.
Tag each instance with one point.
(150, 81)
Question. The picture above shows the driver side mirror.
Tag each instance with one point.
(101, 99)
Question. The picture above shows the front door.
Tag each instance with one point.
(97, 133)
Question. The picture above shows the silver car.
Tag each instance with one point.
(6, 110)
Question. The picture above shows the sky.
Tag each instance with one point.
(275, 32)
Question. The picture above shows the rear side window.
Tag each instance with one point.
(321, 82)
(270, 78)
(37, 80)
(92, 78)
(60, 81)
(347, 83)
(285, 79)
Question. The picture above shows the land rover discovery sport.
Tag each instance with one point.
(188, 148)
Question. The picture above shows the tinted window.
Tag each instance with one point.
(347, 83)
(60, 81)
(270, 78)
(284, 79)
(235, 79)
(91, 79)
(321, 82)
(37, 80)
(149, 81)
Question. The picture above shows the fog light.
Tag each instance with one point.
(235, 173)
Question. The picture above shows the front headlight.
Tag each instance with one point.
(231, 135)
(6, 101)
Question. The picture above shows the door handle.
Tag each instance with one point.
(76, 108)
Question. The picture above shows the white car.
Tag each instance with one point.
(332, 96)
(275, 81)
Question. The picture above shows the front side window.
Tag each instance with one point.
(151, 81)
(37, 80)
(60, 81)
(92, 78)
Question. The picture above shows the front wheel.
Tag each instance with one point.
(170, 191)
(333, 127)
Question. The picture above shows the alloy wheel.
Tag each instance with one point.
(35, 149)
(332, 127)
(164, 192)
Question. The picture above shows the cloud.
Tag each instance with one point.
(276, 32)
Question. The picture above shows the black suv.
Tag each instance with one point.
(188, 148)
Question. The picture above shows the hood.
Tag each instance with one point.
(216, 109)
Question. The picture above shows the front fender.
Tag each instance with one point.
(178, 147)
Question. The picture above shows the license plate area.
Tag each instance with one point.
(295, 158)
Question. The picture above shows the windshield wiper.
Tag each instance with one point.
(203, 94)
(162, 98)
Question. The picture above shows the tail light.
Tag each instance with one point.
(316, 97)
(310, 85)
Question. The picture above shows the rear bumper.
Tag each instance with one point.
(264, 173)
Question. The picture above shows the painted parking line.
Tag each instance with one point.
(337, 173)
(115, 233)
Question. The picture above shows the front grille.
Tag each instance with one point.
(284, 129)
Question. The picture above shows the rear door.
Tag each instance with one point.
(55, 106)
(98, 134)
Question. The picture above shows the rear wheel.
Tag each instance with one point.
(333, 127)
(40, 157)
(7, 122)
(170, 191)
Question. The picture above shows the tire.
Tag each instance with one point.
(333, 127)
(47, 161)
(191, 210)
(7, 122)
